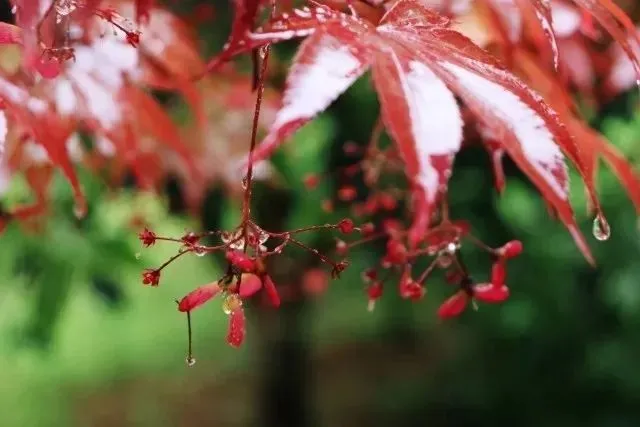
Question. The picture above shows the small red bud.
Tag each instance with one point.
(327, 206)
(339, 268)
(151, 277)
(347, 193)
(311, 181)
(387, 201)
(374, 292)
(396, 252)
(369, 275)
(147, 237)
(341, 247)
(410, 289)
(190, 238)
(367, 229)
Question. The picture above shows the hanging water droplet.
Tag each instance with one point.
(138, 255)
(64, 8)
(601, 228)
(199, 251)
(262, 51)
(231, 303)
(80, 211)
(191, 361)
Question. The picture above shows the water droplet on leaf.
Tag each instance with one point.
(601, 228)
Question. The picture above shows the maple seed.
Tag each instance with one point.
(151, 277)
(147, 237)
(346, 226)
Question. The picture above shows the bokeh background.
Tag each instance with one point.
(83, 343)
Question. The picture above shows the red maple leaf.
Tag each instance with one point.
(419, 65)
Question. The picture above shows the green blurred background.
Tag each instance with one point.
(83, 343)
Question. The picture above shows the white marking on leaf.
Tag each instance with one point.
(436, 123)
(315, 82)
(536, 140)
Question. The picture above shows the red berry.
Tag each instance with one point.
(346, 226)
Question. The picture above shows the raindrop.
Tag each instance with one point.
(80, 211)
(601, 228)
(138, 255)
(199, 251)
(191, 361)
(263, 51)
(231, 302)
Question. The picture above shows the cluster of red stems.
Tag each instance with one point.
(432, 81)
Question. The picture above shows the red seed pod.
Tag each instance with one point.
(396, 252)
(198, 296)
(346, 226)
(498, 273)
(511, 249)
(347, 193)
(311, 181)
(151, 277)
(249, 285)
(147, 237)
(488, 292)
(241, 261)
(454, 305)
(236, 329)
(272, 292)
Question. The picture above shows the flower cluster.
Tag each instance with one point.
(246, 251)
